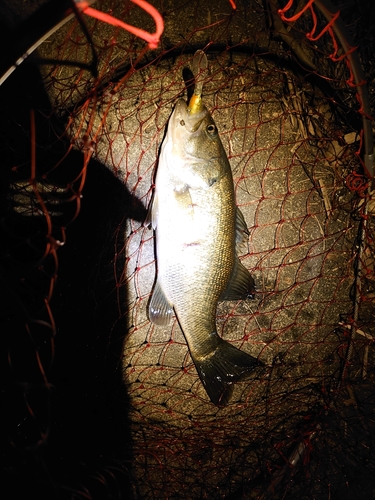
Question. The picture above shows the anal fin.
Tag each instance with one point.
(160, 310)
(242, 233)
(240, 285)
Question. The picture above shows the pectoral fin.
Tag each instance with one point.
(240, 285)
(160, 310)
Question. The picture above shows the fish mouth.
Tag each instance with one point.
(180, 112)
(182, 117)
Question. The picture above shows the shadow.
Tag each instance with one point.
(89, 406)
(189, 81)
(66, 435)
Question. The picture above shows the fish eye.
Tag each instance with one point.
(211, 129)
(182, 123)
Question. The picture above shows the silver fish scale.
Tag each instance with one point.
(194, 289)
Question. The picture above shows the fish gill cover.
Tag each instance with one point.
(101, 403)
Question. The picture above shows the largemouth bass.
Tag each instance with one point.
(197, 228)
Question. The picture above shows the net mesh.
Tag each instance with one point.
(112, 406)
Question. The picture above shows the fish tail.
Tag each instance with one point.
(225, 366)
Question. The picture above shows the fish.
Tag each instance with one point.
(198, 228)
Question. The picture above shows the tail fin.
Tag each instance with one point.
(222, 369)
